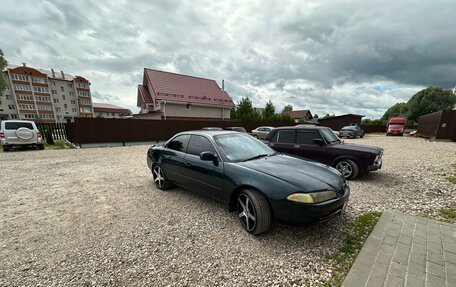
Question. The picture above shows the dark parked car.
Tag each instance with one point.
(236, 129)
(351, 132)
(322, 145)
(249, 177)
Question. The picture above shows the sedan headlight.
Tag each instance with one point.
(314, 197)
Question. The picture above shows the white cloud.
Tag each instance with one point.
(327, 56)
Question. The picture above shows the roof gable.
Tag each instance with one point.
(184, 88)
(300, 114)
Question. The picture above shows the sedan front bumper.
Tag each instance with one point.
(301, 214)
(375, 166)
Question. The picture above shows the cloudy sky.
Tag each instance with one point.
(327, 56)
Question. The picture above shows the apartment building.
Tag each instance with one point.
(50, 96)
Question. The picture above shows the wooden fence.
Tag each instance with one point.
(438, 125)
(99, 130)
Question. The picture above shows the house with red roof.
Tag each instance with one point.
(165, 95)
(299, 116)
(102, 110)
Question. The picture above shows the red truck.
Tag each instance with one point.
(396, 126)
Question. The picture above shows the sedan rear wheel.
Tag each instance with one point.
(254, 211)
(159, 178)
(348, 168)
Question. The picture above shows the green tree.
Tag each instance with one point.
(430, 100)
(287, 108)
(245, 110)
(396, 110)
(269, 111)
(233, 114)
(3, 64)
(315, 116)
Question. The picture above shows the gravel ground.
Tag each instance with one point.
(93, 217)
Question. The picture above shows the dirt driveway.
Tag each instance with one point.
(93, 217)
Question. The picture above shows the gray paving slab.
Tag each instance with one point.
(406, 250)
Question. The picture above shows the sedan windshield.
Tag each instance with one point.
(329, 136)
(240, 147)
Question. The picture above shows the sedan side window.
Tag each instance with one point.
(306, 137)
(179, 143)
(284, 136)
(198, 144)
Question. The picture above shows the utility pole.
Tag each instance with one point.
(223, 100)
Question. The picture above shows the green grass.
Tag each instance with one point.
(57, 145)
(343, 258)
(452, 178)
(448, 213)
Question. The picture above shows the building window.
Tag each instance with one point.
(41, 89)
(56, 101)
(9, 97)
(74, 110)
(71, 94)
(26, 106)
(62, 88)
(70, 85)
(25, 97)
(43, 99)
(82, 85)
(54, 92)
(73, 102)
(85, 110)
(65, 106)
(83, 94)
(39, 80)
(11, 107)
(53, 83)
(14, 116)
(63, 96)
(57, 109)
(20, 87)
(19, 77)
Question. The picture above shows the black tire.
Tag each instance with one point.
(361, 136)
(6, 148)
(160, 180)
(41, 146)
(348, 168)
(255, 136)
(254, 211)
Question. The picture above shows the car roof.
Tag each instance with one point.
(209, 133)
(16, 121)
(309, 127)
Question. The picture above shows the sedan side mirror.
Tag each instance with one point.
(209, 156)
(318, 141)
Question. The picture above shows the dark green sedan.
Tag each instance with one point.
(250, 178)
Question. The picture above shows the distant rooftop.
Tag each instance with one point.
(109, 108)
(54, 75)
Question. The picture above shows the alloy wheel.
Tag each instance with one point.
(344, 168)
(246, 212)
(159, 177)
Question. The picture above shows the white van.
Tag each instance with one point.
(20, 133)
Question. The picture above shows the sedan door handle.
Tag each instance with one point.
(188, 164)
